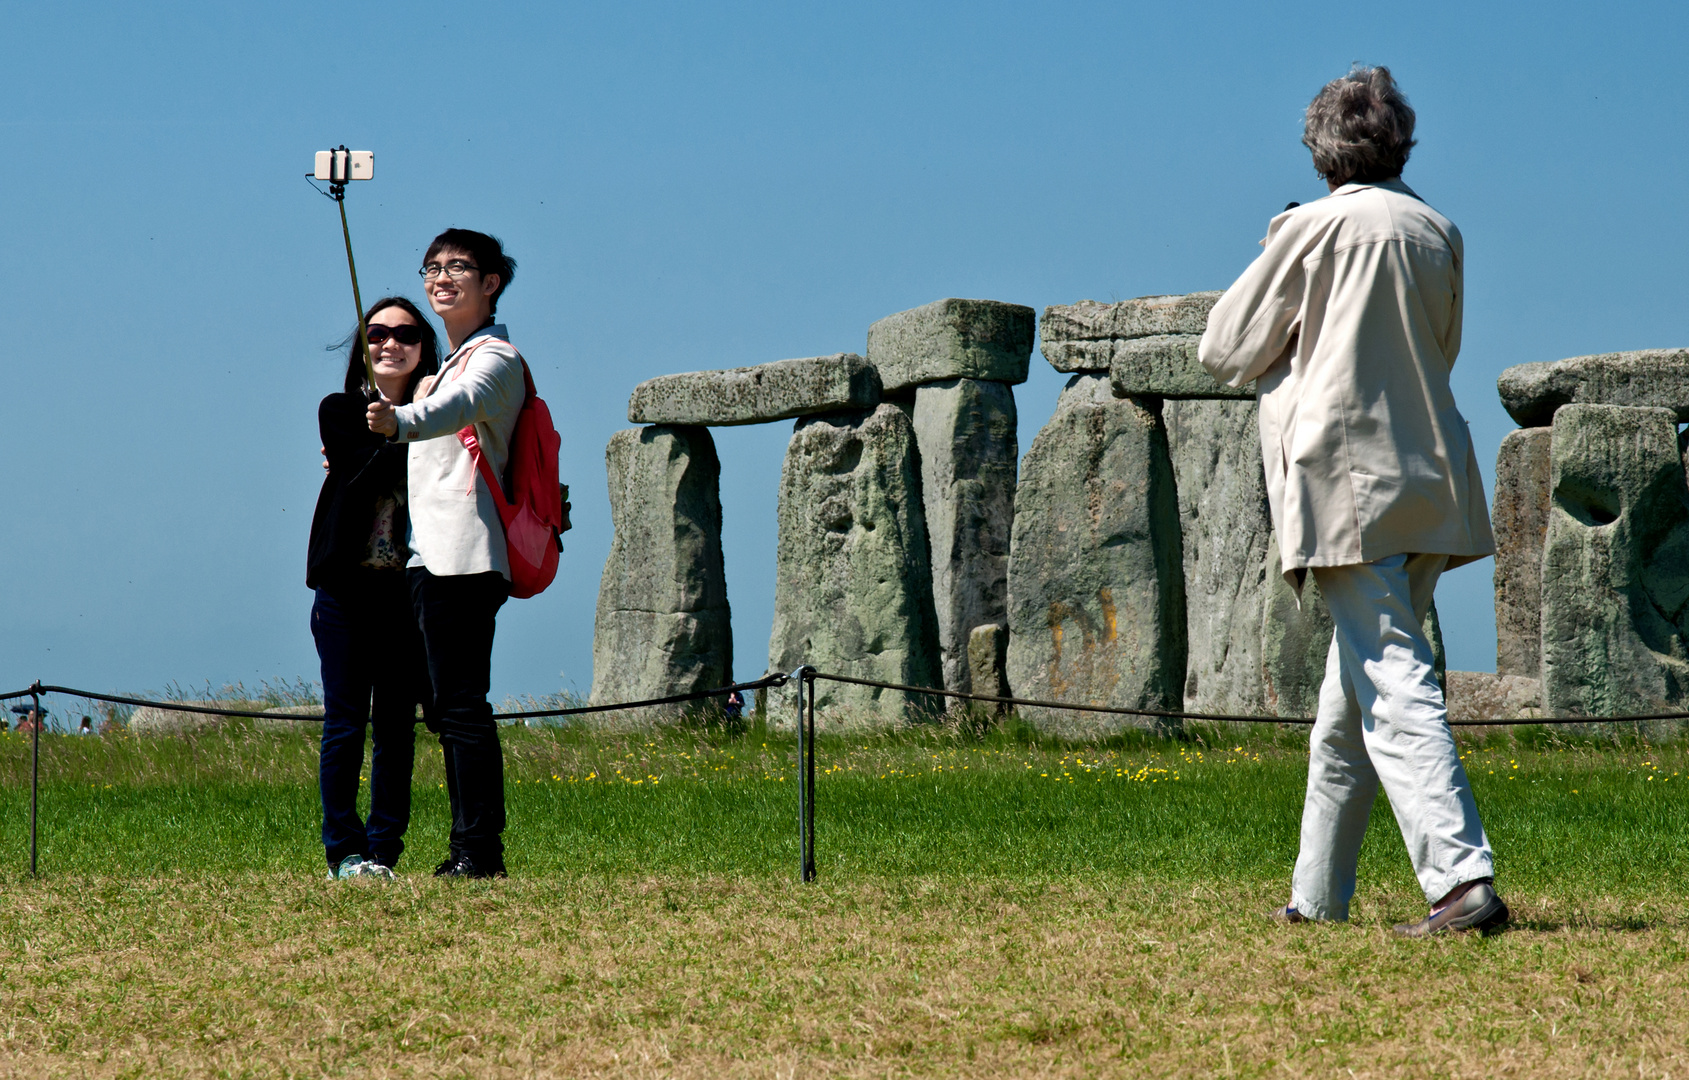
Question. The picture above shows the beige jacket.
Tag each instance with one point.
(1350, 322)
(454, 524)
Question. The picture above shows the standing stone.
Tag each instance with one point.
(853, 588)
(663, 625)
(988, 660)
(1227, 529)
(1615, 579)
(965, 429)
(1521, 524)
(953, 339)
(1294, 643)
(1096, 589)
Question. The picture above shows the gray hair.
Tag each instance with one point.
(1360, 127)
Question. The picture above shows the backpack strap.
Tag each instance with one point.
(472, 442)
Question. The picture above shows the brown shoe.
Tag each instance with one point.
(1478, 908)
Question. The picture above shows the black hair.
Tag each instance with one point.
(428, 365)
(486, 250)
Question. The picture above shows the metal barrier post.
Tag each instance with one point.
(804, 677)
(808, 780)
(34, 773)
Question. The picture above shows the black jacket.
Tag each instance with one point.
(362, 467)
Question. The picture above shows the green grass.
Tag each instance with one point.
(918, 803)
(994, 906)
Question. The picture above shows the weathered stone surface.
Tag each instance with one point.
(988, 660)
(1475, 696)
(1147, 345)
(1096, 589)
(953, 339)
(1294, 643)
(853, 588)
(1078, 357)
(1520, 518)
(1166, 365)
(1091, 320)
(1433, 628)
(1227, 529)
(1646, 378)
(663, 624)
(1615, 580)
(965, 429)
(757, 395)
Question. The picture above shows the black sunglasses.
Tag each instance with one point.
(409, 334)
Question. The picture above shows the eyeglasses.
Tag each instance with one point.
(455, 269)
(408, 334)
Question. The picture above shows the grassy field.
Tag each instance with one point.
(997, 906)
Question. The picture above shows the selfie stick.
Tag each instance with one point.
(337, 166)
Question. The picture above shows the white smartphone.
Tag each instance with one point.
(339, 166)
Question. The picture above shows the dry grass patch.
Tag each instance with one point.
(273, 975)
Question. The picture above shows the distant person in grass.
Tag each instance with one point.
(367, 638)
(459, 572)
(1349, 322)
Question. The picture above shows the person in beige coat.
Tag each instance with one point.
(1348, 323)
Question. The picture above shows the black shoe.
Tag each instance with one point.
(465, 866)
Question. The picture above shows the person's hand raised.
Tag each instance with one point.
(381, 419)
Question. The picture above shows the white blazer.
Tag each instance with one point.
(1350, 321)
(454, 525)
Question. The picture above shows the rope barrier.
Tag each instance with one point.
(1171, 714)
(757, 684)
(778, 680)
(213, 710)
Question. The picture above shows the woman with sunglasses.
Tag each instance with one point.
(374, 668)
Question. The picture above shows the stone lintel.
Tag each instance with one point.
(1092, 320)
(782, 390)
(1649, 378)
(953, 339)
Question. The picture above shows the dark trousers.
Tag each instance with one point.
(374, 673)
(456, 615)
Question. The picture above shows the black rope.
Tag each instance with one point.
(1167, 714)
(766, 680)
(778, 680)
(172, 706)
(211, 710)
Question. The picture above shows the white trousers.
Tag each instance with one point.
(1382, 719)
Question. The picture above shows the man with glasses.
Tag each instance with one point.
(459, 572)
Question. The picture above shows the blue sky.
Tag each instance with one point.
(692, 186)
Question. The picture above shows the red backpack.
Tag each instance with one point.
(536, 515)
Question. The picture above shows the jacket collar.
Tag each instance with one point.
(496, 330)
(1393, 184)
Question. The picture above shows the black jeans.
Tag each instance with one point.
(374, 673)
(456, 614)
